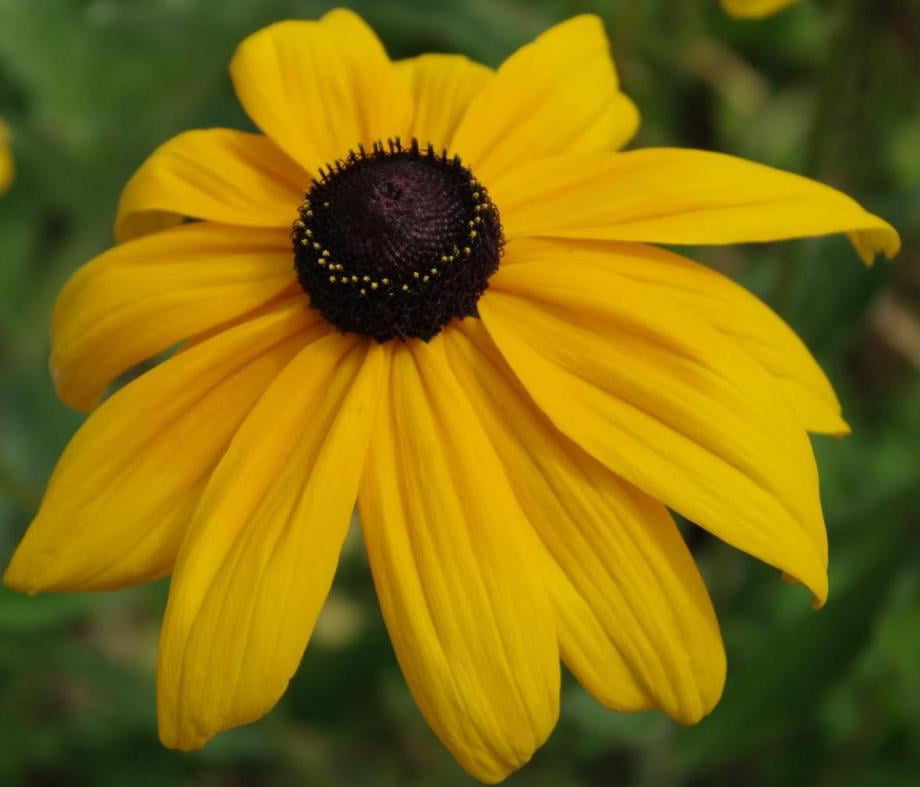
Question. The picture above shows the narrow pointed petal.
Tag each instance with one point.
(140, 298)
(263, 547)
(442, 88)
(667, 404)
(754, 9)
(220, 175)
(729, 308)
(559, 94)
(667, 195)
(119, 501)
(618, 548)
(319, 89)
(458, 572)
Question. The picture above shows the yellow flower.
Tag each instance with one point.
(754, 9)
(514, 469)
(6, 158)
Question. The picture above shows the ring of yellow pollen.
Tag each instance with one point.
(395, 242)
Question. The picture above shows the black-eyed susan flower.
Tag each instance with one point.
(6, 158)
(429, 287)
(754, 9)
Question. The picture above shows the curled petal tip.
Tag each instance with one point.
(883, 239)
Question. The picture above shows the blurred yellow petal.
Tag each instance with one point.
(142, 297)
(216, 174)
(714, 298)
(458, 572)
(442, 88)
(673, 196)
(754, 9)
(319, 89)
(6, 158)
(666, 403)
(619, 548)
(119, 501)
(559, 94)
(262, 549)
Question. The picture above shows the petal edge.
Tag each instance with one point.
(679, 196)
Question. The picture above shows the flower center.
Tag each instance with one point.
(396, 242)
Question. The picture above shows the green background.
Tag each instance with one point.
(828, 698)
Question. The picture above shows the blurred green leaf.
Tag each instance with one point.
(776, 693)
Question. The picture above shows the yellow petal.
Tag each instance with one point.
(119, 501)
(442, 87)
(216, 174)
(319, 89)
(588, 650)
(6, 158)
(458, 572)
(619, 549)
(666, 195)
(559, 94)
(754, 9)
(140, 298)
(666, 403)
(263, 546)
(729, 308)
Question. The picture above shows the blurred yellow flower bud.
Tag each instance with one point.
(754, 9)
(6, 158)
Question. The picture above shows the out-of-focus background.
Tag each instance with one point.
(829, 89)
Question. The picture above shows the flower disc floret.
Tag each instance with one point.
(396, 242)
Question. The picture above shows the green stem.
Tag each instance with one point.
(847, 61)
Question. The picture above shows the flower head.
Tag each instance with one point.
(429, 287)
